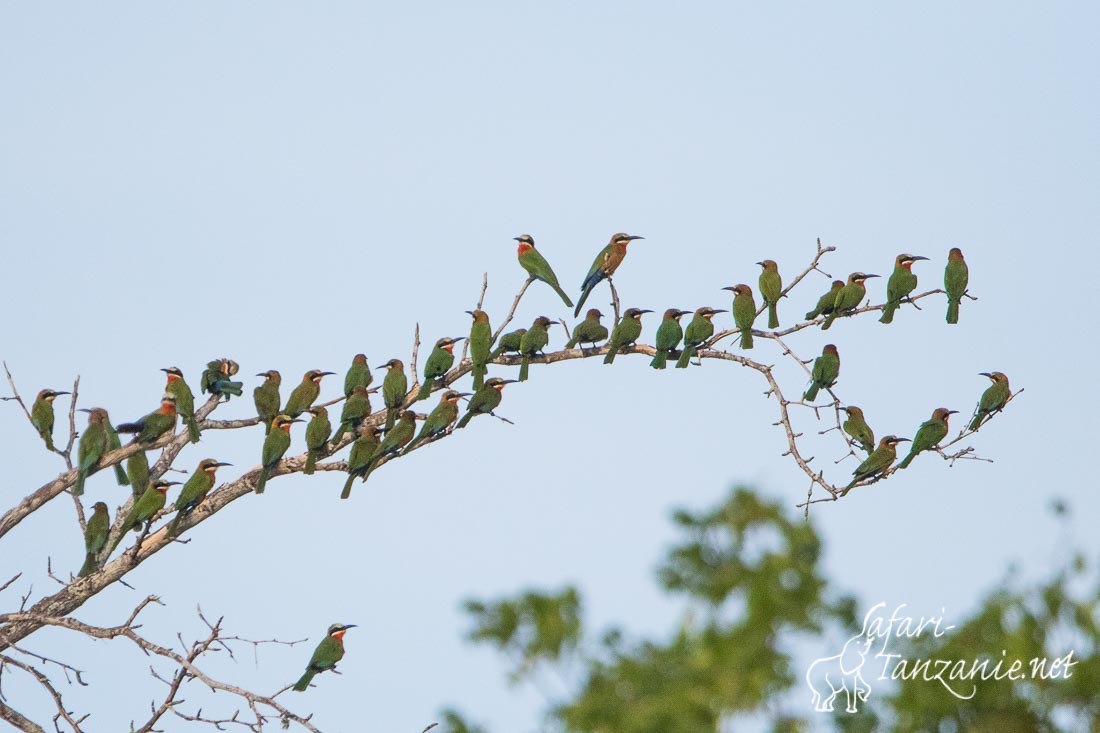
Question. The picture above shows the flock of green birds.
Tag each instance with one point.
(374, 443)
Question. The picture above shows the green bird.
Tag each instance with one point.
(114, 443)
(267, 399)
(902, 282)
(826, 302)
(95, 537)
(359, 375)
(395, 439)
(438, 364)
(929, 434)
(626, 332)
(509, 343)
(394, 388)
(442, 417)
(356, 408)
(145, 509)
(744, 312)
(857, 428)
(771, 288)
(698, 331)
(94, 442)
(604, 266)
(537, 267)
(993, 399)
(825, 371)
(532, 343)
(217, 379)
(362, 453)
(325, 656)
(589, 331)
(481, 344)
(185, 401)
(320, 427)
(955, 278)
(137, 473)
(276, 445)
(195, 490)
(42, 417)
(485, 400)
(306, 393)
(877, 463)
(848, 297)
(149, 428)
(669, 335)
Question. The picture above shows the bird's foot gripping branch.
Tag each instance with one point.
(376, 435)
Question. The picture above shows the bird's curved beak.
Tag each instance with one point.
(868, 277)
(220, 464)
(170, 483)
(468, 312)
(350, 626)
(635, 236)
(509, 381)
(384, 366)
(985, 374)
(517, 239)
(731, 288)
(59, 393)
(165, 370)
(456, 340)
(327, 374)
(262, 374)
(84, 409)
(952, 412)
(918, 257)
(761, 263)
(904, 440)
(645, 310)
(719, 310)
(297, 419)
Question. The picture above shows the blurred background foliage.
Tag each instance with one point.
(758, 611)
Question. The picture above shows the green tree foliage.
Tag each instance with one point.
(754, 589)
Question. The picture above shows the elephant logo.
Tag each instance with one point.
(827, 677)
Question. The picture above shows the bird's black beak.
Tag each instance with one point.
(731, 288)
(220, 463)
(760, 263)
(469, 312)
(719, 310)
(349, 626)
(918, 257)
(165, 370)
(297, 419)
(867, 277)
(518, 239)
(952, 412)
(903, 440)
(645, 310)
(83, 409)
(456, 340)
(635, 236)
(985, 374)
(327, 374)
(59, 393)
(509, 381)
(262, 374)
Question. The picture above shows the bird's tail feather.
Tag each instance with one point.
(425, 390)
(660, 359)
(311, 461)
(746, 338)
(303, 683)
(773, 316)
(888, 312)
(685, 357)
(811, 393)
(89, 567)
(120, 476)
(465, 420)
(523, 366)
(953, 311)
(907, 460)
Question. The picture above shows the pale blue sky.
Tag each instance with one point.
(288, 184)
